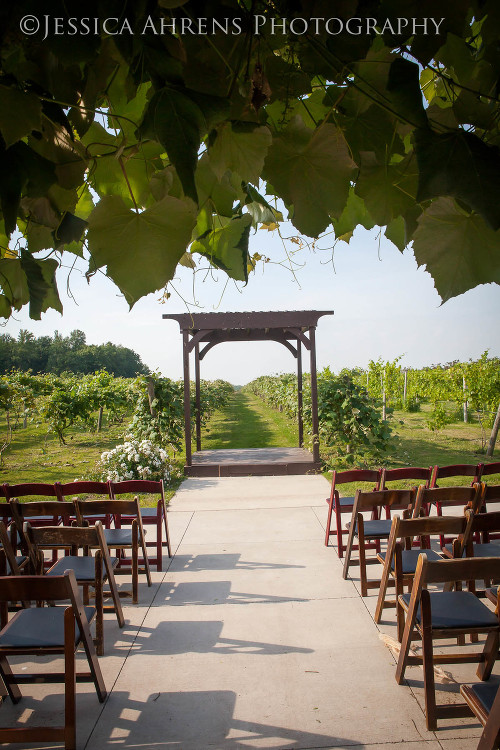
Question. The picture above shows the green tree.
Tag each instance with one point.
(180, 134)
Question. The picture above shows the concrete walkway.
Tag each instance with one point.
(252, 639)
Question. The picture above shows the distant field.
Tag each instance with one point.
(35, 455)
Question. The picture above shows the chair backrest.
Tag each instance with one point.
(456, 470)
(449, 571)
(52, 508)
(95, 507)
(421, 474)
(64, 536)
(137, 487)
(26, 489)
(425, 526)
(354, 475)
(491, 493)
(82, 487)
(488, 469)
(453, 496)
(393, 499)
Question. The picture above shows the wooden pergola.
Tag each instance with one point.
(294, 329)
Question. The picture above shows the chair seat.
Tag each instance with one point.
(119, 537)
(457, 609)
(20, 559)
(82, 566)
(409, 559)
(376, 529)
(491, 549)
(485, 692)
(345, 501)
(149, 512)
(39, 627)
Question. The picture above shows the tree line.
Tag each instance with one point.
(58, 354)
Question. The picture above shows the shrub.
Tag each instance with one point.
(135, 459)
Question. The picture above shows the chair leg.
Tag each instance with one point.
(99, 624)
(12, 687)
(340, 531)
(329, 521)
(69, 680)
(348, 552)
(159, 541)
(490, 653)
(362, 559)
(383, 589)
(428, 664)
(135, 564)
(167, 535)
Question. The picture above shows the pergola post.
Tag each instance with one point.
(187, 397)
(299, 394)
(314, 395)
(198, 395)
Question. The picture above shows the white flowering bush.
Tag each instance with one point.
(135, 459)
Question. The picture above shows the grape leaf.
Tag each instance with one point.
(384, 188)
(41, 279)
(396, 233)
(461, 165)
(175, 121)
(240, 148)
(140, 250)
(13, 282)
(311, 170)
(227, 247)
(353, 215)
(458, 249)
(20, 113)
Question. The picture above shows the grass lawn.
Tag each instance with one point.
(248, 423)
(37, 456)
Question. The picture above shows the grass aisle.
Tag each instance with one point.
(248, 423)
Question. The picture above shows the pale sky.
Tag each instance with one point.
(384, 307)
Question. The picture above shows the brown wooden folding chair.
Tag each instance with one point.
(400, 558)
(433, 615)
(47, 631)
(483, 699)
(156, 516)
(374, 529)
(89, 571)
(120, 539)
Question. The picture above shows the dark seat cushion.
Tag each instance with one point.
(82, 566)
(376, 529)
(346, 501)
(492, 549)
(457, 609)
(486, 693)
(20, 559)
(119, 537)
(409, 558)
(38, 627)
(149, 512)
